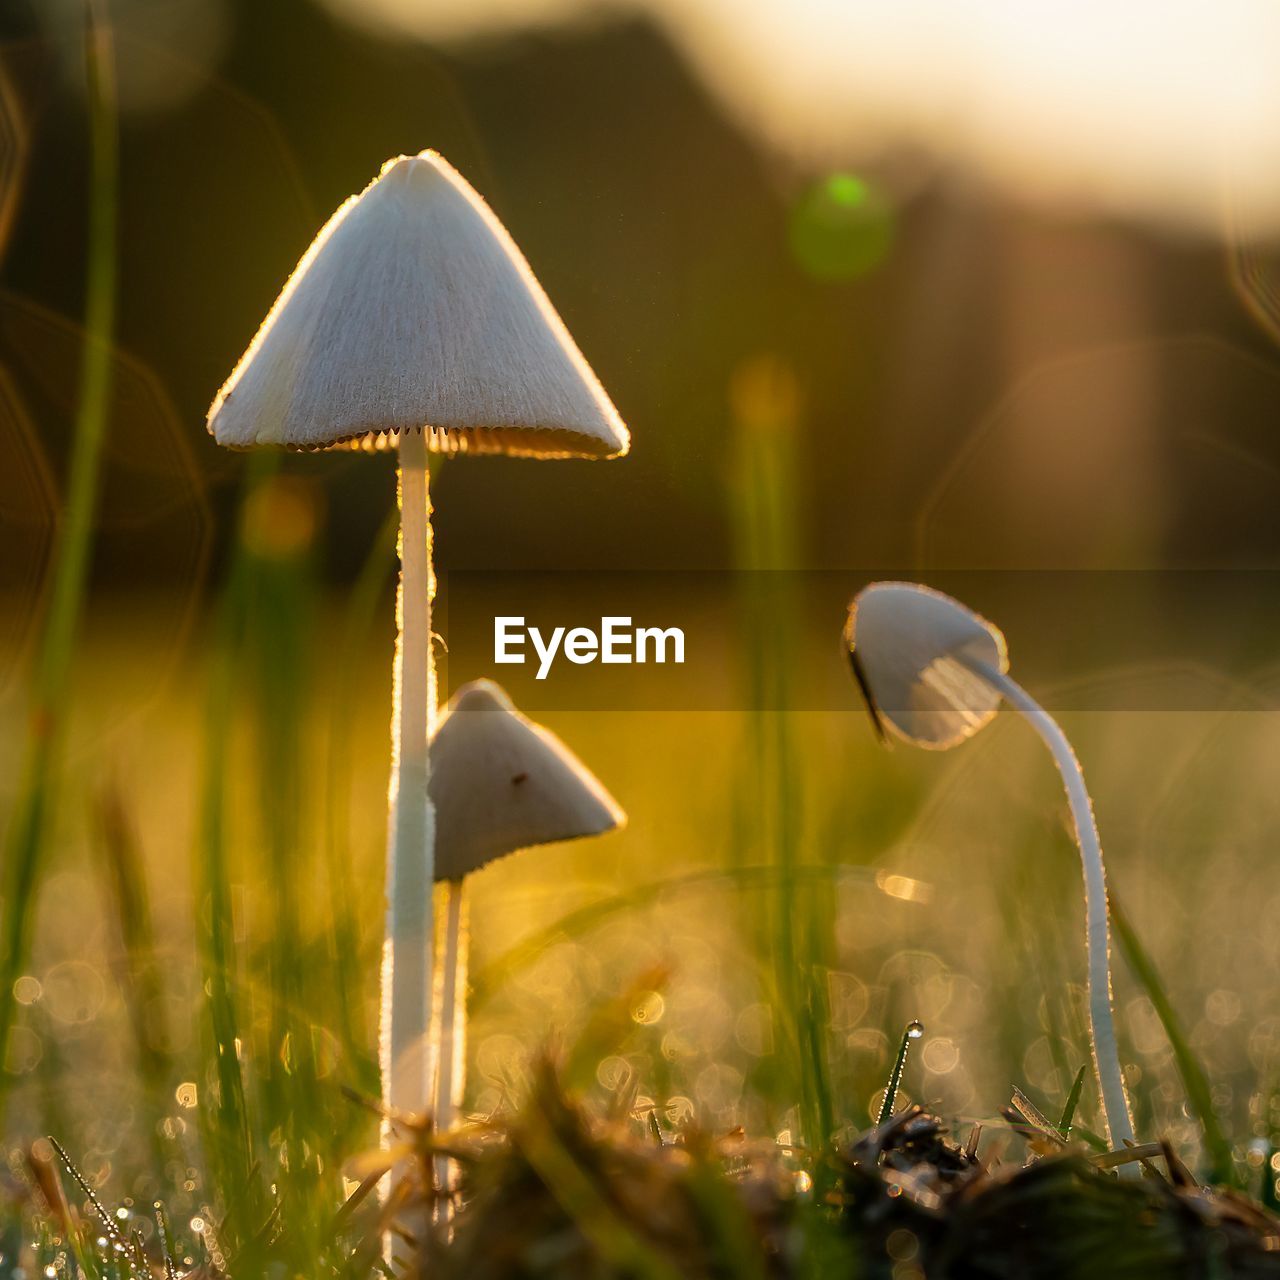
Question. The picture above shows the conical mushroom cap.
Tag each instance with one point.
(905, 641)
(501, 783)
(413, 309)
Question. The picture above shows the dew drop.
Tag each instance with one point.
(915, 1029)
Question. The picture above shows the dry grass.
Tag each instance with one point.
(557, 1191)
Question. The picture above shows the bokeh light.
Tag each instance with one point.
(841, 228)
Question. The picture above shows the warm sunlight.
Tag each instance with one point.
(639, 640)
(1163, 109)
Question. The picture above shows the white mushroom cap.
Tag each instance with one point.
(502, 783)
(905, 641)
(414, 309)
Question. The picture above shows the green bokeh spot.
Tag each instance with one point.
(847, 189)
(841, 228)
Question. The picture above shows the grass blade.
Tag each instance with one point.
(796, 930)
(135, 963)
(376, 575)
(109, 1227)
(1194, 1081)
(36, 800)
(223, 1112)
(912, 1031)
(1073, 1101)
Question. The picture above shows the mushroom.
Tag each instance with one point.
(934, 672)
(499, 783)
(414, 321)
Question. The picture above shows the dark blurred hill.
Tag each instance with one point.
(661, 231)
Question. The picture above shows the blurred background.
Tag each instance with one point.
(907, 288)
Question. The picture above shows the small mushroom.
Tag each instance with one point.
(934, 672)
(500, 783)
(414, 321)
(909, 659)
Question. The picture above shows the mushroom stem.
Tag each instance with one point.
(451, 1076)
(407, 949)
(1106, 1054)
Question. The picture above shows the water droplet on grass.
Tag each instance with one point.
(913, 1031)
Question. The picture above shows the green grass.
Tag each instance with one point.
(1221, 1162)
(285, 869)
(38, 789)
(796, 923)
(287, 950)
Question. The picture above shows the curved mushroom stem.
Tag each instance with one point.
(1106, 1054)
(451, 1076)
(407, 948)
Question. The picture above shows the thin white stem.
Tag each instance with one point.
(1106, 1054)
(407, 949)
(451, 1078)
